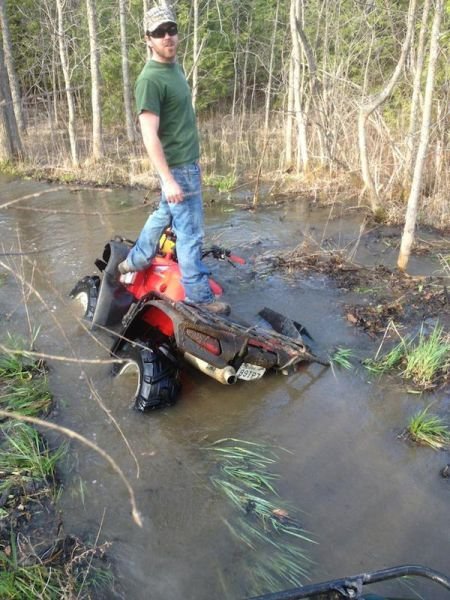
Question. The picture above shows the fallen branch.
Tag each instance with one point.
(76, 436)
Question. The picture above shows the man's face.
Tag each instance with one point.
(163, 42)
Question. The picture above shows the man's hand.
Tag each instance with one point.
(172, 191)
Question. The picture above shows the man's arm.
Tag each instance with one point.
(149, 127)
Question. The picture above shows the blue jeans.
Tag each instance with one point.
(186, 220)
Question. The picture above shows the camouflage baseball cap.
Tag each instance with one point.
(156, 16)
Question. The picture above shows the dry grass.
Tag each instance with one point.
(234, 146)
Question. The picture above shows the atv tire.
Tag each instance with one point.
(86, 294)
(158, 375)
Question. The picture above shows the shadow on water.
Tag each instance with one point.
(369, 499)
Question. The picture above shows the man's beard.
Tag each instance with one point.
(166, 52)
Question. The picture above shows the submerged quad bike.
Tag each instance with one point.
(155, 329)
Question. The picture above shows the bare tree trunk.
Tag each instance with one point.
(6, 150)
(131, 134)
(236, 74)
(413, 200)
(67, 83)
(244, 86)
(369, 183)
(196, 54)
(9, 62)
(302, 146)
(271, 60)
(97, 139)
(55, 87)
(413, 125)
(145, 9)
(289, 117)
(368, 107)
(10, 143)
(314, 98)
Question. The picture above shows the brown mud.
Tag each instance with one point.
(36, 526)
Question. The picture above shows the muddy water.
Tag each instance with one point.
(369, 499)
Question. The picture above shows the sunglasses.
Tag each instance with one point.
(160, 32)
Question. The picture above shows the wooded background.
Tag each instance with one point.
(352, 90)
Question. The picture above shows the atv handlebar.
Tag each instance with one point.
(351, 587)
(220, 253)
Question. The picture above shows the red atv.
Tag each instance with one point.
(154, 328)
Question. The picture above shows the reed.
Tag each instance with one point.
(423, 359)
(223, 183)
(25, 456)
(342, 358)
(23, 385)
(427, 357)
(429, 429)
(264, 524)
(21, 583)
(387, 362)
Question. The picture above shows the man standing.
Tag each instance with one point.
(170, 136)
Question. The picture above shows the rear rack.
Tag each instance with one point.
(197, 314)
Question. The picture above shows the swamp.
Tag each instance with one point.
(259, 486)
(325, 163)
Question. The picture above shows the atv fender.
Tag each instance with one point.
(113, 299)
(164, 318)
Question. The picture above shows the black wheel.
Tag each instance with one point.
(85, 294)
(156, 372)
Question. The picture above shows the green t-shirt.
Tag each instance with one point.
(162, 89)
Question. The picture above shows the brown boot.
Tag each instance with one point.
(124, 268)
(218, 308)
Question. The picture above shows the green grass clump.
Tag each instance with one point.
(22, 583)
(13, 366)
(23, 384)
(342, 358)
(429, 429)
(386, 363)
(8, 167)
(264, 524)
(427, 357)
(28, 397)
(18, 582)
(423, 359)
(24, 456)
(223, 183)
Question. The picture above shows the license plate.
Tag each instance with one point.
(248, 372)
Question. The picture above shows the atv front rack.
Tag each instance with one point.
(352, 587)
